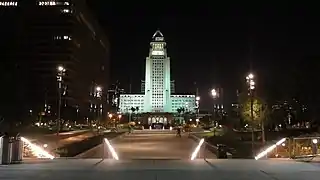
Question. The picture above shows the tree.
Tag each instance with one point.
(181, 110)
(133, 109)
(259, 110)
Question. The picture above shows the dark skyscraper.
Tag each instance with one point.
(53, 33)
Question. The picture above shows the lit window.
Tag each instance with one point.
(66, 11)
(6, 3)
(62, 37)
(161, 53)
(47, 3)
(66, 37)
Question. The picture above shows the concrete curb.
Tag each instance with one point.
(83, 154)
(210, 147)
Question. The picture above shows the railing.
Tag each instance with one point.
(298, 148)
(105, 149)
(208, 146)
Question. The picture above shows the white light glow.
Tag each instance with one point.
(196, 151)
(113, 152)
(314, 141)
(98, 88)
(157, 53)
(7, 3)
(250, 76)
(269, 149)
(214, 93)
(47, 3)
(65, 11)
(37, 151)
(60, 68)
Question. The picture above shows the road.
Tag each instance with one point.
(148, 145)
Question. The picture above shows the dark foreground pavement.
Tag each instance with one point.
(148, 145)
(215, 169)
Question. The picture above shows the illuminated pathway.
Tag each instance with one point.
(148, 145)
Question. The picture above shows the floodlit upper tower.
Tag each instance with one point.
(157, 82)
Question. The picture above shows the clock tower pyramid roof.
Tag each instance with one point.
(157, 36)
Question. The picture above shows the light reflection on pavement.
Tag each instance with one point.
(152, 146)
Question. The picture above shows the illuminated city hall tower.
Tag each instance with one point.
(158, 94)
(157, 80)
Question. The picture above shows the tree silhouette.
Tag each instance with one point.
(133, 109)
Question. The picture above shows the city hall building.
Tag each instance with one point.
(157, 98)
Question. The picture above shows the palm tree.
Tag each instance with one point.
(137, 110)
(180, 110)
(133, 109)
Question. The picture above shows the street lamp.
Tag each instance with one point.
(214, 95)
(110, 117)
(99, 89)
(197, 105)
(60, 73)
(315, 146)
(98, 95)
(251, 87)
(315, 141)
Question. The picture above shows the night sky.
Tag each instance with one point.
(215, 44)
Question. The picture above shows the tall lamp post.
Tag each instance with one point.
(119, 117)
(251, 87)
(99, 96)
(197, 106)
(60, 73)
(110, 117)
(214, 95)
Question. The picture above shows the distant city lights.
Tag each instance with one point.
(8, 3)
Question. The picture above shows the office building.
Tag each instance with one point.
(113, 97)
(61, 32)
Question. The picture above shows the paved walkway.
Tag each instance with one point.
(218, 169)
(149, 145)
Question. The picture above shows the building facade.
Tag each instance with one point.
(12, 77)
(61, 32)
(157, 90)
(113, 97)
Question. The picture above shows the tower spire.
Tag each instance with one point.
(158, 36)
